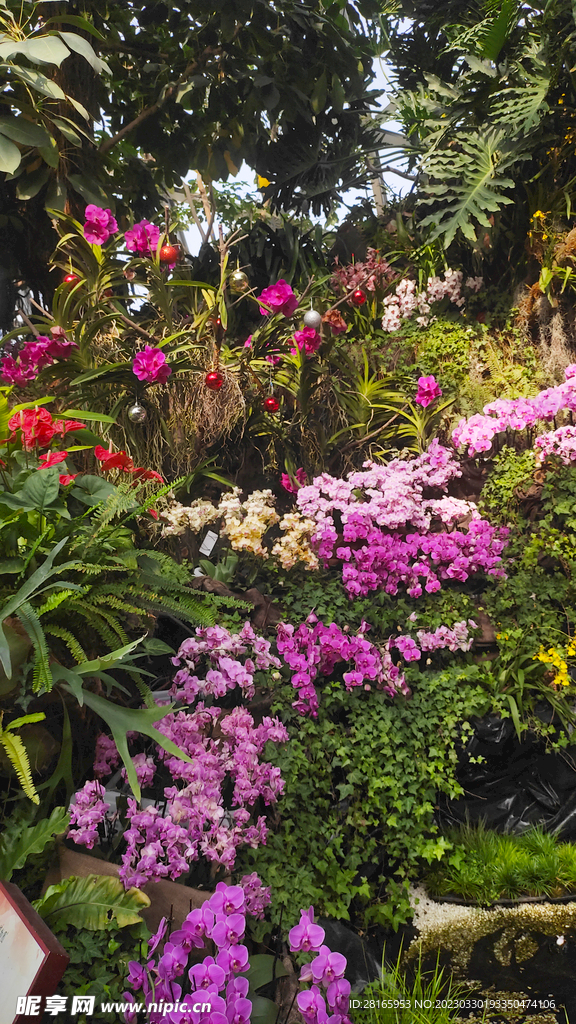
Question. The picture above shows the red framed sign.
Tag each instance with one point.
(32, 961)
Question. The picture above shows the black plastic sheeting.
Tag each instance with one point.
(516, 785)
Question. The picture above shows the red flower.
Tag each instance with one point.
(153, 513)
(67, 426)
(36, 425)
(146, 474)
(114, 460)
(52, 459)
(67, 478)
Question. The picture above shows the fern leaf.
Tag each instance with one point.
(54, 601)
(18, 756)
(69, 639)
(41, 675)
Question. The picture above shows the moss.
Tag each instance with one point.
(458, 929)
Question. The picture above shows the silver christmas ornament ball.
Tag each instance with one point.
(137, 413)
(312, 319)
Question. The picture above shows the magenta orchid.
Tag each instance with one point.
(428, 391)
(151, 366)
(143, 238)
(288, 483)
(278, 298)
(308, 340)
(34, 356)
(99, 225)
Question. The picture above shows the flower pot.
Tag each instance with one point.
(167, 899)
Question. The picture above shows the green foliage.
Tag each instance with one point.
(361, 785)
(469, 183)
(410, 995)
(483, 90)
(511, 475)
(99, 963)
(16, 752)
(20, 843)
(90, 903)
(484, 866)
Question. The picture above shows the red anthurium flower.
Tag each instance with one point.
(52, 459)
(36, 425)
(67, 478)
(153, 513)
(146, 474)
(113, 460)
(67, 426)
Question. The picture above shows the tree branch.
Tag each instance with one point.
(108, 144)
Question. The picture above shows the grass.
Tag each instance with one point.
(485, 866)
(417, 997)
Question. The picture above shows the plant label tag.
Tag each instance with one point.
(208, 543)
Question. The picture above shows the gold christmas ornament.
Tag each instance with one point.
(238, 282)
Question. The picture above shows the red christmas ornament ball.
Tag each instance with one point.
(214, 380)
(169, 254)
(358, 297)
(70, 279)
(271, 404)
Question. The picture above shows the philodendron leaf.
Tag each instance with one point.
(264, 1011)
(123, 720)
(91, 902)
(264, 969)
(14, 852)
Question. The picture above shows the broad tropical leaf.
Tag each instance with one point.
(91, 902)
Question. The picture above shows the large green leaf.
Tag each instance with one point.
(89, 189)
(264, 1011)
(91, 490)
(10, 156)
(27, 133)
(124, 720)
(74, 414)
(30, 185)
(91, 902)
(263, 969)
(36, 80)
(41, 488)
(468, 184)
(45, 50)
(15, 851)
(82, 46)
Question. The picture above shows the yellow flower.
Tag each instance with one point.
(538, 214)
(262, 182)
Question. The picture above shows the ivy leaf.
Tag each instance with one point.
(91, 902)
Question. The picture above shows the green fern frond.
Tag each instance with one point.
(55, 600)
(116, 603)
(69, 639)
(18, 756)
(99, 625)
(41, 675)
(187, 611)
